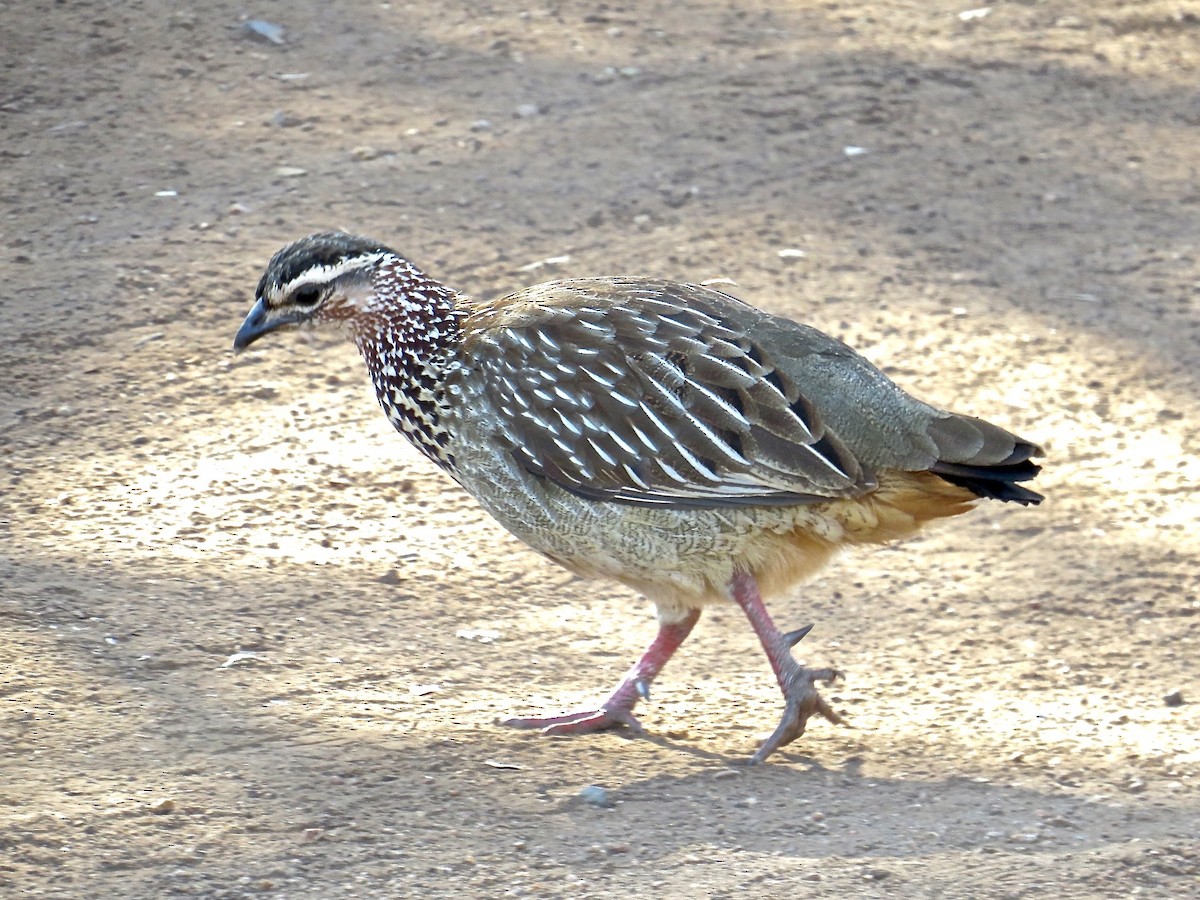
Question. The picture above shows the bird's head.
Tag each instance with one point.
(323, 277)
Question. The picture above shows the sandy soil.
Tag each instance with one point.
(254, 645)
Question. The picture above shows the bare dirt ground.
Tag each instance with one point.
(253, 644)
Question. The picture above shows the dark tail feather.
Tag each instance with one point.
(993, 482)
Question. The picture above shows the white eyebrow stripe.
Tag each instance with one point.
(323, 274)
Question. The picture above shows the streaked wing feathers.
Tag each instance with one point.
(649, 393)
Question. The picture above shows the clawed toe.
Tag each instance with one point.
(579, 722)
(616, 711)
(803, 702)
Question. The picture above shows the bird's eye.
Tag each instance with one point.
(307, 296)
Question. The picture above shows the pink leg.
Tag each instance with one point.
(796, 682)
(618, 708)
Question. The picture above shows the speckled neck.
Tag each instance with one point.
(409, 337)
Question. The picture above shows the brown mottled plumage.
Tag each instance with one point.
(665, 435)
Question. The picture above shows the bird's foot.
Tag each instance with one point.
(583, 721)
(617, 710)
(802, 703)
(797, 682)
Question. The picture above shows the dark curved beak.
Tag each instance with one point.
(255, 326)
(260, 321)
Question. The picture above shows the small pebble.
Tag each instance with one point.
(1175, 698)
(501, 764)
(528, 110)
(364, 153)
(162, 807)
(282, 119)
(240, 657)
(263, 32)
(969, 15)
(594, 795)
(482, 635)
